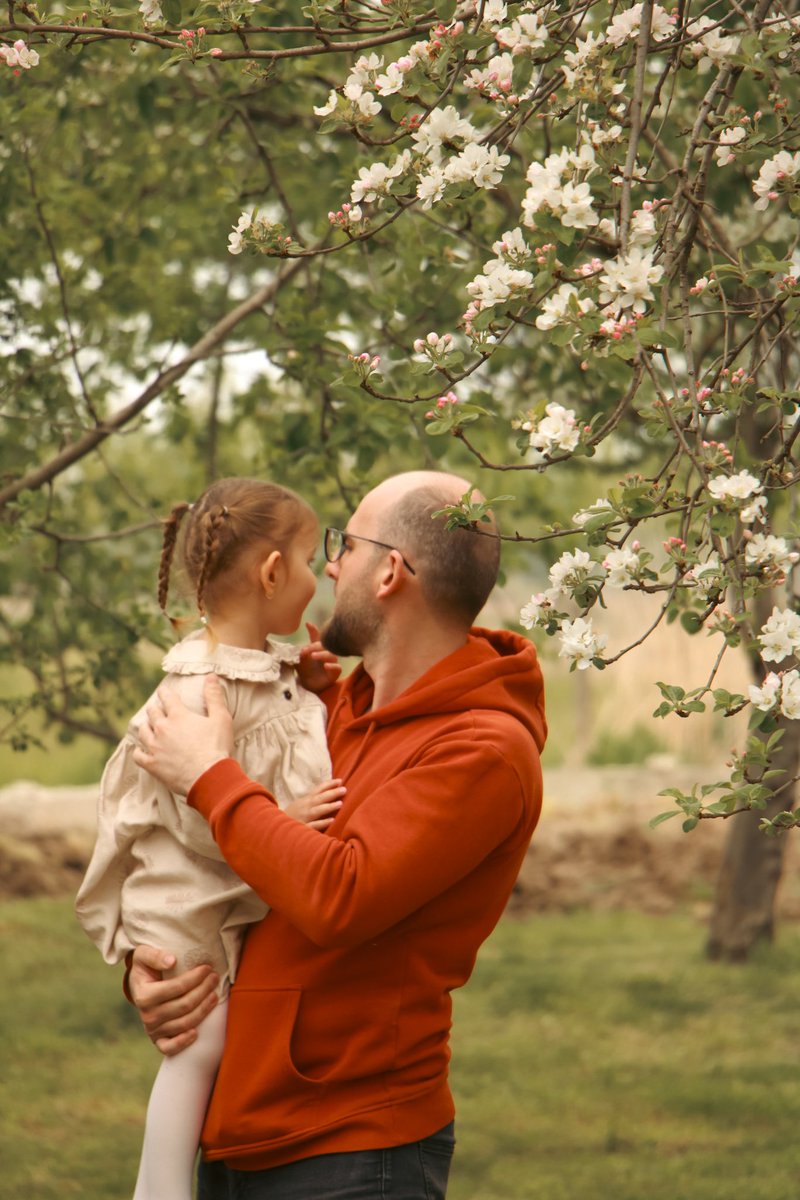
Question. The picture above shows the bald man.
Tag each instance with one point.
(334, 1081)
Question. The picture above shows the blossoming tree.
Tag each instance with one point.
(594, 205)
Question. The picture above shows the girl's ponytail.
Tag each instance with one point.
(171, 526)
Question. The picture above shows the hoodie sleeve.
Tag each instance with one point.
(464, 799)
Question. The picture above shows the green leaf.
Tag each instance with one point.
(662, 817)
(691, 622)
(172, 12)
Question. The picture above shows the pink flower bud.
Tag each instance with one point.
(215, 52)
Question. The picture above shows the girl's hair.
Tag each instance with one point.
(231, 516)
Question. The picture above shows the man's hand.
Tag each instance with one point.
(178, 745)
(318, 668)
(319, 807)
(171, 1009)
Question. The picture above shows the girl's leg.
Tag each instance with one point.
(175, 1114)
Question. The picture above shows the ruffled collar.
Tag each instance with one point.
(195, 655)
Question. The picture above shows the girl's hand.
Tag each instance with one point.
(319, 807)
(318, 668)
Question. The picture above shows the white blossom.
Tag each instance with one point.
(524, 33)
(538, 609)
(575, 206)
(497, 74)
(622, 565)
(709, 46)
(494, 12)
(556, 308)
(442, 126)
(790, 695)
(391, 82)
(780, 635)
(627, 280)
(544, 191)
(754, 512)
(374, 181)
(626, 25)
(360, 75)
(569, 201)
(367, 105)
(642, 227)
(557, 431)
(580, 643)
(601, 507)
(235, 240)
(600, 136)
(767, 550)
(772, 173)
(150, 11)
(570, 570)
(483, 165)
(498, 283)
(579, 63)
(19, 55)
(765, 697)
(330, 105)
(727, 138)
(512, 245)
(709, 576)
(430, 187)
(734, 487)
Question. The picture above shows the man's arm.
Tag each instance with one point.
(392, 851)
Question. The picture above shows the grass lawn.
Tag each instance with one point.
(596, 1057)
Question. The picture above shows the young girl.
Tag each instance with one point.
(156, 875)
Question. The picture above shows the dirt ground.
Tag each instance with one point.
(593, 848)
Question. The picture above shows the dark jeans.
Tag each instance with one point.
(416, 1171)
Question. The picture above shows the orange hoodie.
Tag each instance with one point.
(339, 1018)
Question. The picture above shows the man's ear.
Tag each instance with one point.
(271, 573)
(391, 578)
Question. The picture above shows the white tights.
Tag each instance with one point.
(175, 1113)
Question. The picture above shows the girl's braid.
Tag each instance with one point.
(212, 522)
(171, 526)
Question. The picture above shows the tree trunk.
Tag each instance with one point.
(744, 902)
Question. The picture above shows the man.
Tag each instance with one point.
(334, 1078)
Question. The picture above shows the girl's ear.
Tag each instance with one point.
(270, 573)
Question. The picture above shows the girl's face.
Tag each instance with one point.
(299, 582)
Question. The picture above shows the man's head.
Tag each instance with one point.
(440, 575)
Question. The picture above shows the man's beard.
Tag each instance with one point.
(351, 629)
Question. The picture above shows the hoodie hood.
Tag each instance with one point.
(495, 670)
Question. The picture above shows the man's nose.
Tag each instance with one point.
(332, 570)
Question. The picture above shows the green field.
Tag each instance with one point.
(596, 1057)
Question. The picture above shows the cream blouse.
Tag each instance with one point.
(156, 875)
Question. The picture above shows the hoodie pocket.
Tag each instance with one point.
(260, 1096)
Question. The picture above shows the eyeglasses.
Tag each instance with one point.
(336, 541)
